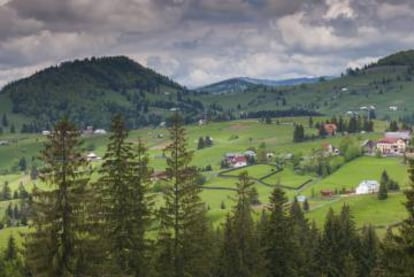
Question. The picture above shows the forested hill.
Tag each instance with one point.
(401, 58)
(89, 91)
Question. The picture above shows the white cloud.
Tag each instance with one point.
(197, 42)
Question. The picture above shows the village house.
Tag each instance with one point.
(99, 132)
(235, 160)
(391, 146)
(4, 142)
(330, 149)
(368, 146)
(88, 131)
(330, 129)
(394, 143)
(367, 186)
(92, 157)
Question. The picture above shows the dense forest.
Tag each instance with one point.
(89, 91)
(110, 225)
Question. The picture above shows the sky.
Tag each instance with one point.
(197, 42)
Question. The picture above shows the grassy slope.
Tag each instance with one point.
(327, 97)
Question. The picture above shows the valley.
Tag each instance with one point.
(218, 184)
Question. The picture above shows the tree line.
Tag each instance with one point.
(111, 226)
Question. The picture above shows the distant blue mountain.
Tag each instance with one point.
(244, 83)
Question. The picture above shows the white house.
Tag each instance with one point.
(4, 142)
(45, 132)
(99, 132)
(92, 157)
(367, 186)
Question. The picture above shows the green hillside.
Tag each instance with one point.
(382, 85)
(90, 91)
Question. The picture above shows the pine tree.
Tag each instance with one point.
(385, 179)
(397, 255)
(122, 196)
(201, 143)
(56, 245)
(184, 238)
(306, 205)
(11, 250)
(382, 192)
(6, 191)
(303, 246)
(310, 122)
(339, 247)
(369, 250)
(280, 248)
(240, 255)
(10, 262)
(4, 120)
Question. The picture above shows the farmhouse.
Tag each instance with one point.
(330, 149)
(99, 132)
(330, 129)
(238, 161)
(92, 157)
(235, 160)
(4, 142)
(391, 146)
(367, 186)
(368, 146)
(327, 193)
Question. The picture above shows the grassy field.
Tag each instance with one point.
(366, 209)
(239, 136)
(364, 168)
(288, 178)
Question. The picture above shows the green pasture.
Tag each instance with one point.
(366, 209)
(255, 171)
(287, 177)
(365, 168)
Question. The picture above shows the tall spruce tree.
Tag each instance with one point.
(240, 254)
(280, 247)
(368, 251)
(184, 236)
(339, 247)
(397, 257)
(123, 208)
(57, 241)
(304, 240)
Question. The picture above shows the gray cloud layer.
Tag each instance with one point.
(199, 41)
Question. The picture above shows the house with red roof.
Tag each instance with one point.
(238, 161)
(235, 160)
(391, 146)
(330, 129)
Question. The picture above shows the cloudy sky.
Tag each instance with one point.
(196, 42)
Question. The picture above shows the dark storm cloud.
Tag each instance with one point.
(200, 41)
